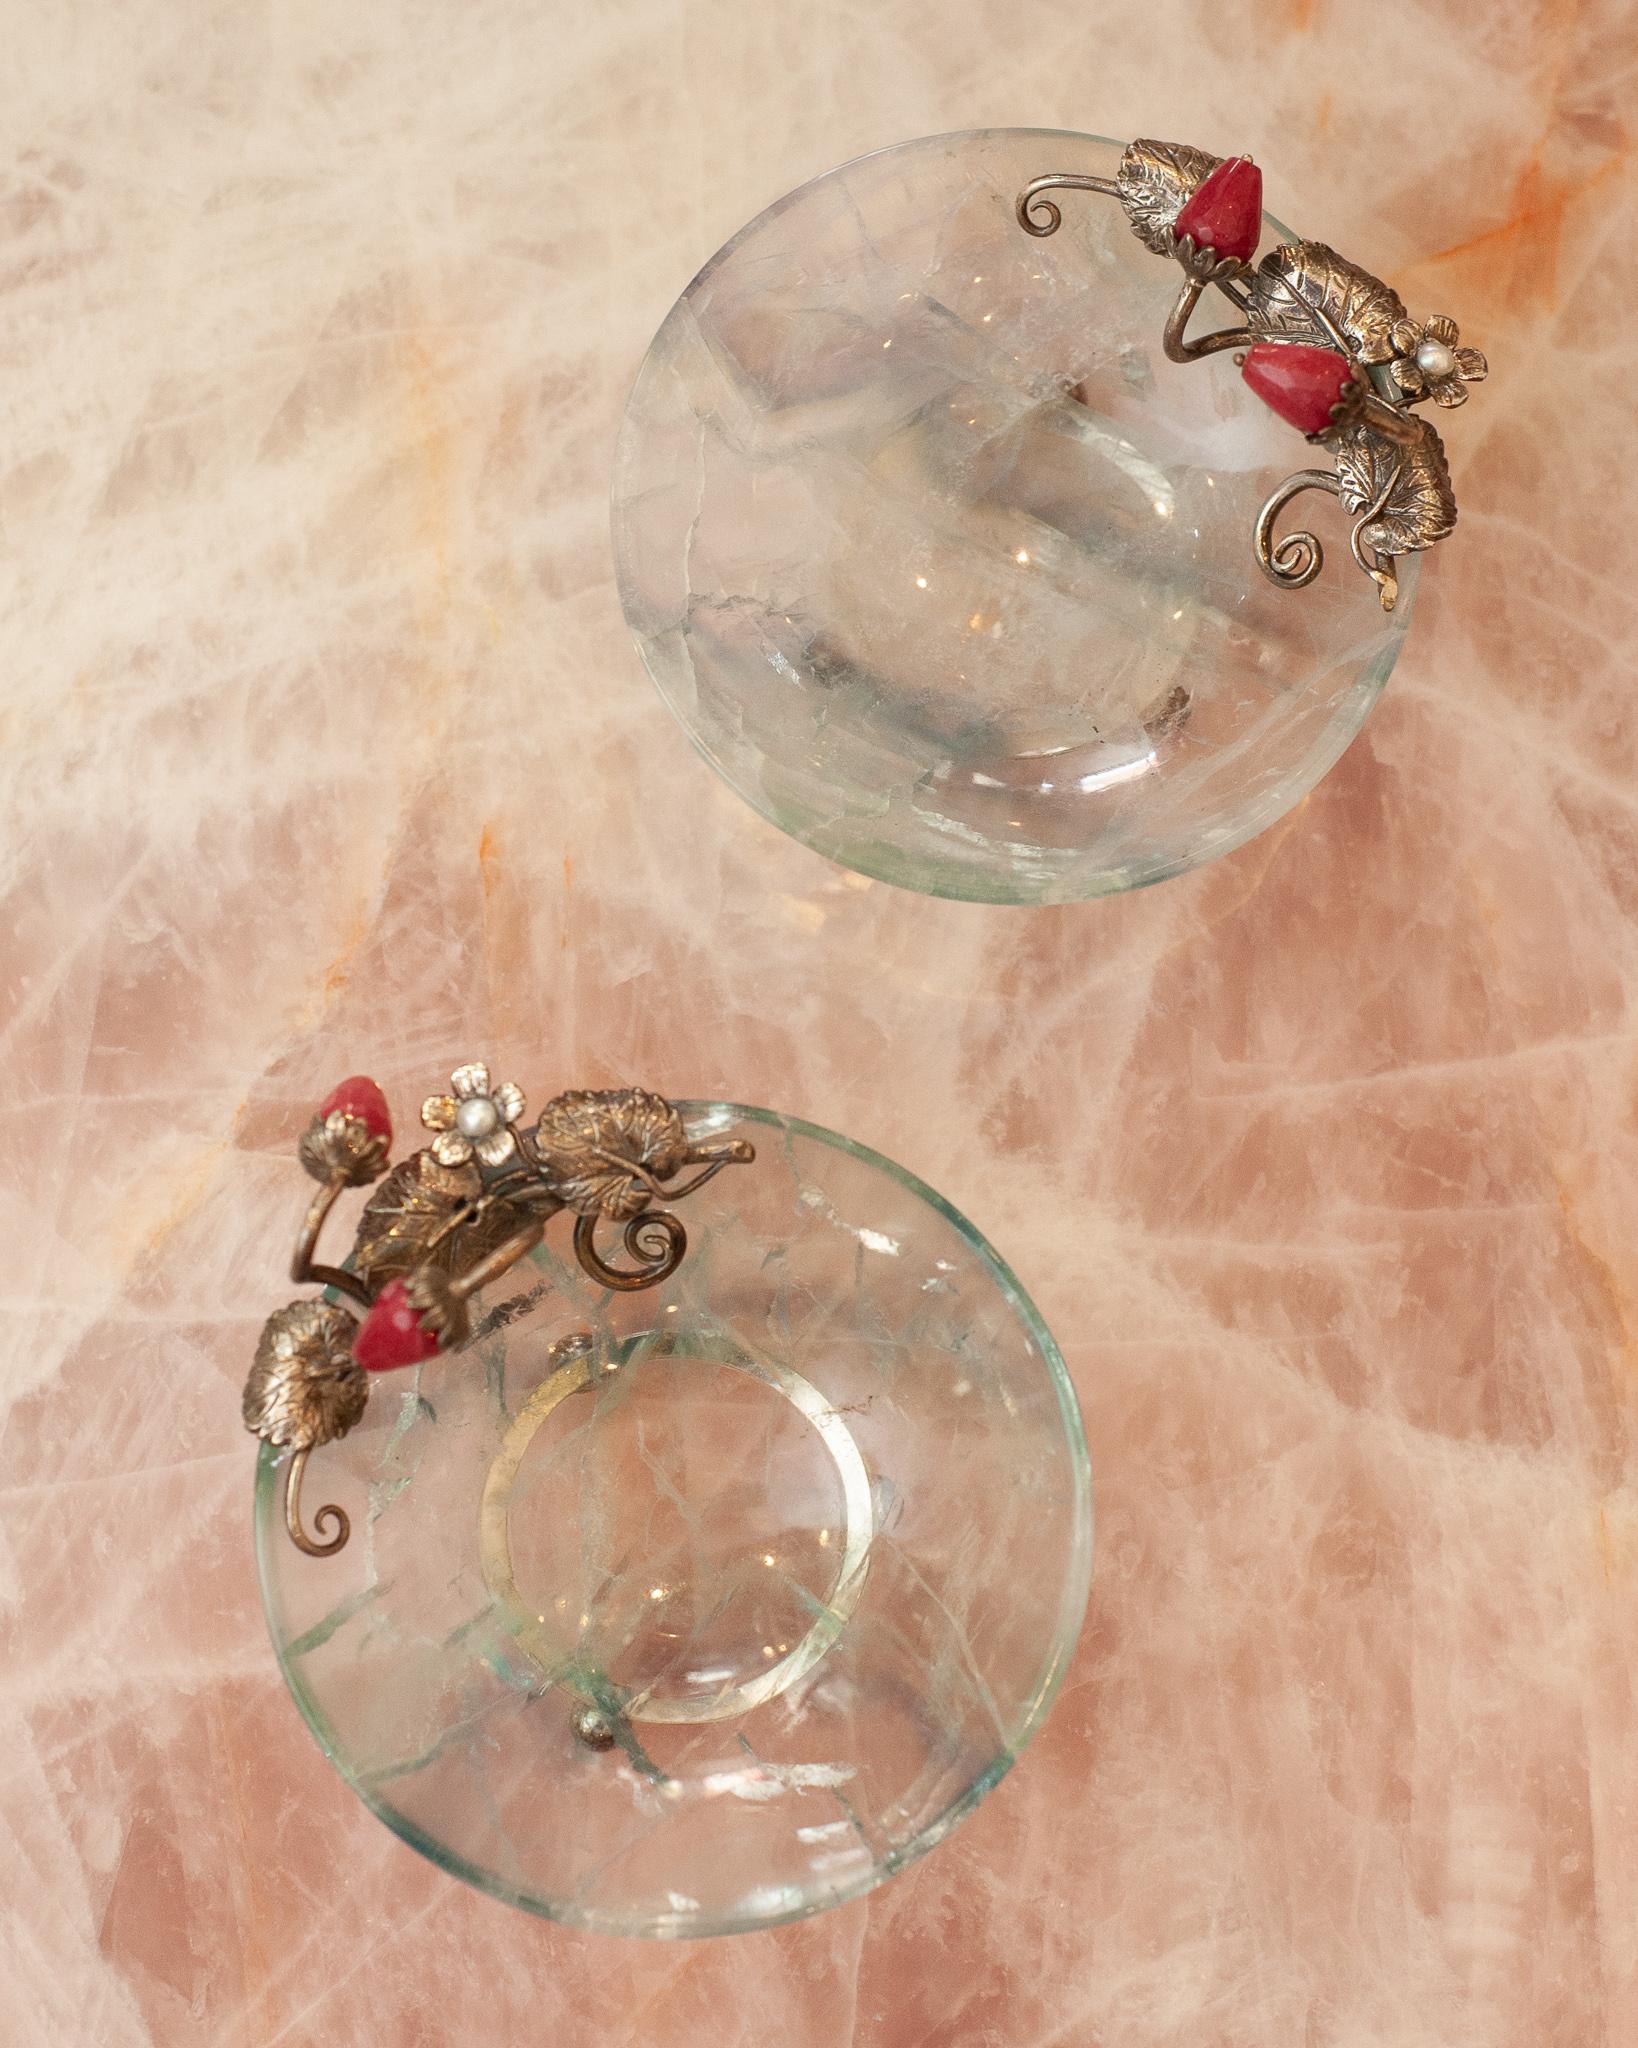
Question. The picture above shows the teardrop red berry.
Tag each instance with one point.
(1302, 384)
(359, 1096)
(392, 1334)
(1225, 211)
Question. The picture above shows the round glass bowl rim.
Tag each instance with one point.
(787, 198)
(1077, 1582)
(746, 789)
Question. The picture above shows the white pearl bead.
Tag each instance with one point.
(1434, 360)
(476, 1117)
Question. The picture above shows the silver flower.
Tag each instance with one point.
(1428, 364)
(473, 1118)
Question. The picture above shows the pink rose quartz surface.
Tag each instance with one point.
(325, 751)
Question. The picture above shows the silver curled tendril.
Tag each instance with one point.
(1378, 567)
(326, 1518)
(1042, 217)
(655, 1243)
(1295, 560)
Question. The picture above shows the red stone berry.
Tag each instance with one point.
(392, 1334)
(359, 1096)
(1225, 211)
(1300, 383)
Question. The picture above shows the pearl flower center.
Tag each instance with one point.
(1434, 360)
(476, 1117)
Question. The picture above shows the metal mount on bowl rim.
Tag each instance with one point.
(1328, 346)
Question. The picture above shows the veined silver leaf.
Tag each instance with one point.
(1412, 482)
(304, 1388)
(1156, 180)
(1306, 290)
(588, 1141)
(407, 1220)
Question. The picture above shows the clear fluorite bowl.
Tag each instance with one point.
(948, 570)
(723, 1613)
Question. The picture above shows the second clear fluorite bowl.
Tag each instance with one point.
(801, 1537)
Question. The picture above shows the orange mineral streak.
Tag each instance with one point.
(175, 1199)
(1607, 1283)
(488, 865)
(506, 949)
(339, 971)
(1514, 265)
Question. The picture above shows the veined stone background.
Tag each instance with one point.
(325, 748)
